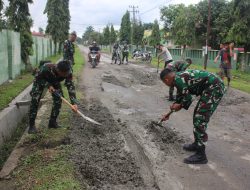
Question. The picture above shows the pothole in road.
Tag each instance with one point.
(169, 140)
(142, 77)
(99, 153)
(112, 79)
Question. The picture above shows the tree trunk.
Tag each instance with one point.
(28, 66)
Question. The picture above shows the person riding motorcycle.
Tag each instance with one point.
(96, 48)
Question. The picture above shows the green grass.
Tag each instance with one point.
(50, 168)
(9, 90)
(7, 147)
(105, 50)
(240, 81)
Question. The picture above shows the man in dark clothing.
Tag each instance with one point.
(50, 75)
(225, 55)
(210, 88)
(96, 49)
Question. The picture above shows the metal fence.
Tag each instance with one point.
(240, 61)
(10, 53)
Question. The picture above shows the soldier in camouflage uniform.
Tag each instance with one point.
(210, 88)
(125, 52)
(69, 48)
(177, 66)
(50, 75)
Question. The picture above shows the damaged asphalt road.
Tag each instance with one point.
(128, 152)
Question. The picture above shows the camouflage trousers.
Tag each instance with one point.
(124, 56)
(36, 94)
(204, 109)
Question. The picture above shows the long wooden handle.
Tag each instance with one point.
(158, 65)
(80, 113)
(67, 102)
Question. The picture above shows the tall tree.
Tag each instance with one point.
(218, 6)
(41, 30)
(169, 14)
(239, 31)
(125, 30)
(138, 33)
(224, 22)
(148, 26)
(58, 20)
(155, 37)
(183, 28)
(1, 19)
(112, 35)
(19, 20)
(87, 34)
(106, 35)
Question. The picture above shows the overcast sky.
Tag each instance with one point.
(98, 13)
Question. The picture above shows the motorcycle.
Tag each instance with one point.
(146, 56)
(93, 56)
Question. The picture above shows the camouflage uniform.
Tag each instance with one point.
(176, 66)
(68, 51)
(209, 87)
(47, 77)
(115, 48)
(125, 53)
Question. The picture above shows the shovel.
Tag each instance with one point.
(159, 123)
(79, 113)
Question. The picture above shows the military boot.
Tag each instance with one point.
(198, 158)
(32, 128)
(190, 147)
(53, 124)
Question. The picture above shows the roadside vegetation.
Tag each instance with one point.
(47, 164)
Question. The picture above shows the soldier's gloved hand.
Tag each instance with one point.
(74, 108)
(51, 89)
(176, 107)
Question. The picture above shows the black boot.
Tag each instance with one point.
(198, 158)
(32, 129)
(190, 147)
(53, 124)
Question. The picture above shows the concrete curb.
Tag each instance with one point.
(11, 116)
(13, 160)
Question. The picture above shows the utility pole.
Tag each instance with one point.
(134, 11)
(110, 45)
(208, 34)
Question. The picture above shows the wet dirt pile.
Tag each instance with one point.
(142, 77)
(112, 80)
(100, 155)
(169, 140)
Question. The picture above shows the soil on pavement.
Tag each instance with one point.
(129, 152)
